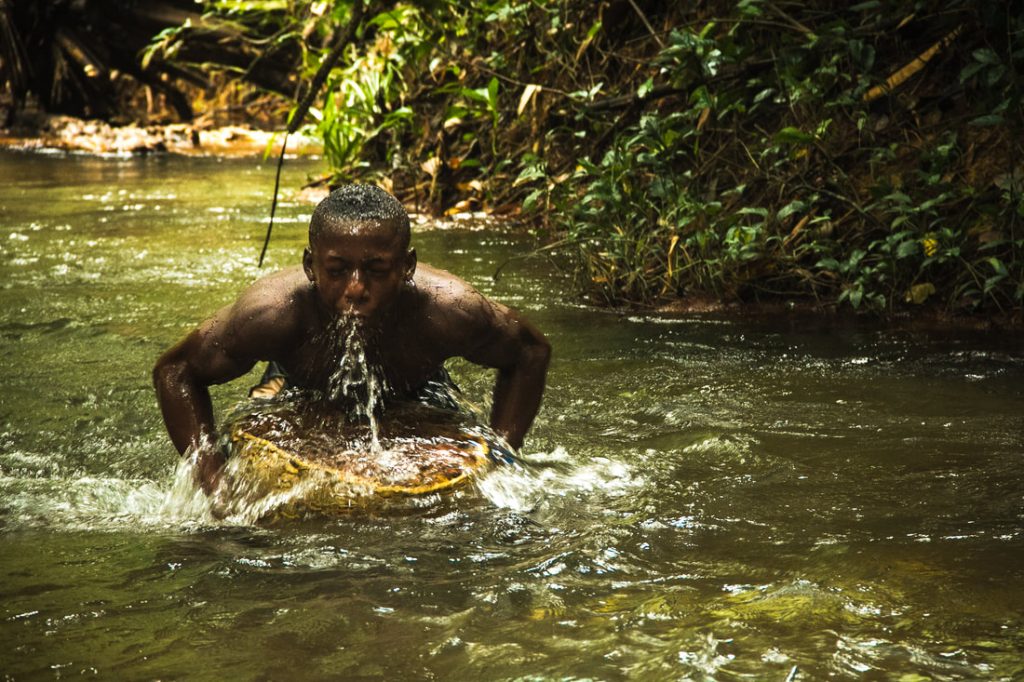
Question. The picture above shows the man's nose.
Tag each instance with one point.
(355, 287)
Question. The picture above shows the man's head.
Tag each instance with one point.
(358, 255)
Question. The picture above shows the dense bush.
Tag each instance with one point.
(789, 168)
(865, 155)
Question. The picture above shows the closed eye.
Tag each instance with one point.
(378, 267)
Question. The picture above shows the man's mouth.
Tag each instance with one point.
(351, 311)
(352, 316)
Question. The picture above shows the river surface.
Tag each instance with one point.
(702, 498)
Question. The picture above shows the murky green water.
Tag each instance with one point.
(706, 499)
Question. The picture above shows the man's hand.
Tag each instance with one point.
(209, 466)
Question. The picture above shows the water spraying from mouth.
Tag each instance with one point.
(356, 381)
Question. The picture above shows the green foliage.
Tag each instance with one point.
(824, 193)
(860, 155)
(363, 98)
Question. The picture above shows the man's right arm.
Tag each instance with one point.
(223, 348)
(182, 377)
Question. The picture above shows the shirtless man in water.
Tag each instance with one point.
(358, 265)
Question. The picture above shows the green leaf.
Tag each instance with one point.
(793, 136)
(986, 56)
(701, 97)
(529, 174)
(855, 258)
(790, 208)
(856, 294)
(970, 70)
(753, 210)
(645, 88)
(998, 267)
(991, 282)
(828, 264)
(531, 199)
(477, 95)
(898, 198)
(907, 248)
(492, 94)
(749, 8)
(994, 74)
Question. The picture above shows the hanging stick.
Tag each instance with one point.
(300, 111)
(273, 204)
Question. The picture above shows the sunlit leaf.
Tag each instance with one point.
(492, 94)
(524, 100)
(793, 135)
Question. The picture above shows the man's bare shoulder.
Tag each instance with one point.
(447, 293)
(274, 305)
(452, 315)
(457, 320)
(281, 287)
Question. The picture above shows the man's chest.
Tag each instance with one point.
(405, 362)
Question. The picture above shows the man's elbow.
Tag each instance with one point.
(537, 354)
(162, 373)
(168, 371)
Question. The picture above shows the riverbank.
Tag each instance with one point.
(816, 315)
(96, 138)
(70, 134)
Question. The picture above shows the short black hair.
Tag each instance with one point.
(360, 204)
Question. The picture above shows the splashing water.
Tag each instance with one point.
(539, 478)
(718, 479)
(356, 379)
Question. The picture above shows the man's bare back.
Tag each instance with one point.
(411, 319)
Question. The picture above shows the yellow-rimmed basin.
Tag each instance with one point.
(309, 456)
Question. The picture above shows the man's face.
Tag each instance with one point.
(358, 270)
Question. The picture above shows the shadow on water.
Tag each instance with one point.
(700, 498)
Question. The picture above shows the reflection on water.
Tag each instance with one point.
(700, 498)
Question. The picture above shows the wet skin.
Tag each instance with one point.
(413, 318)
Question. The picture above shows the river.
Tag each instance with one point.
(704, 498)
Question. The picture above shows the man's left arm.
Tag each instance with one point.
(521, 354)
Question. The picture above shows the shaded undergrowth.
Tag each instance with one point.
(862, 155)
